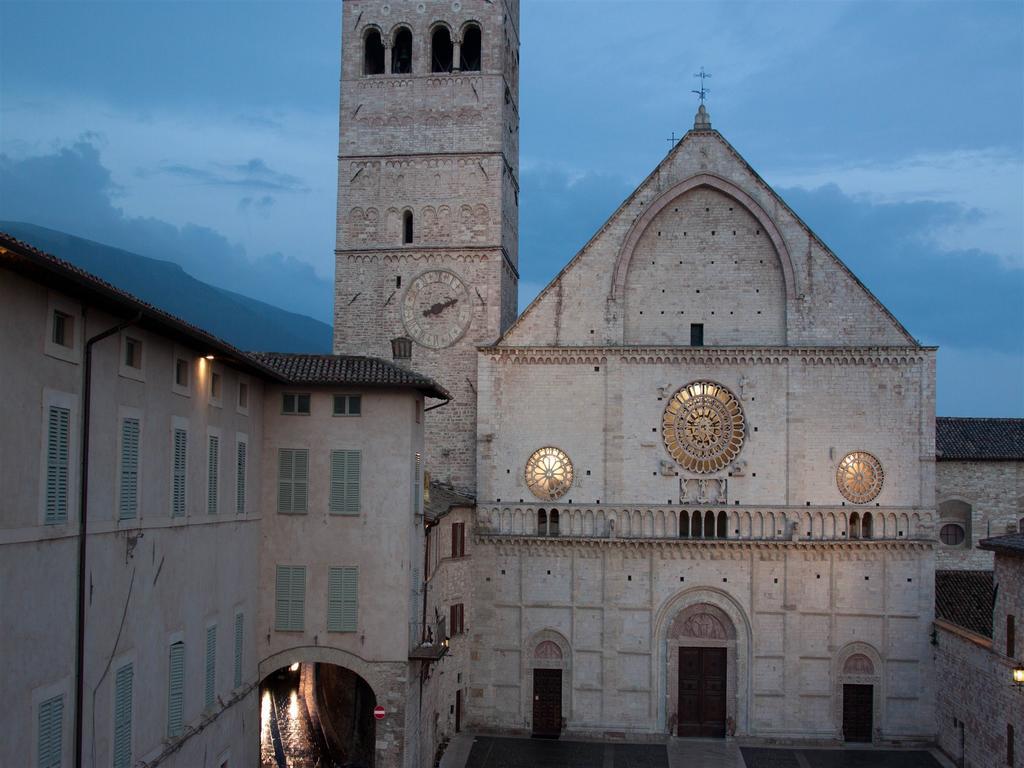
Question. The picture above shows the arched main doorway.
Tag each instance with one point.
(315, 714)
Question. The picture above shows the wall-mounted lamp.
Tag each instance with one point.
(208, 357)
(1018, 679)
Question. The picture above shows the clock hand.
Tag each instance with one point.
(437, 309)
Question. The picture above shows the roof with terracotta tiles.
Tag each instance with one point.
(963, 439)
(352, 370)
(966, 598)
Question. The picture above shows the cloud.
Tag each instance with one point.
(71, 190)
(261, 206)
(253, 174)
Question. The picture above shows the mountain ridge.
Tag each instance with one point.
(247, 323)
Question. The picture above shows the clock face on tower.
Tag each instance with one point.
(436, 309)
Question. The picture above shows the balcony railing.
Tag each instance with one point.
(707, 522)
(428, 642)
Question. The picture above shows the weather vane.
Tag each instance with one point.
(703, 92)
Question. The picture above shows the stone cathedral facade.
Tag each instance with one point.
(697, 473)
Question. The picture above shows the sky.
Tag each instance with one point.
(205, 133)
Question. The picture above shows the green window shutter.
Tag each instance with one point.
(292, 480)
(290, 598)
(51, 732)
(240, 479)
(180, 459)
(342, 599)
(129, 499)
(213, 473)
(123, 717)
(346, 468)
(297, 615)
(176, 690)
(285, 465)
(57, 446)
(301, 480)
(239, 632)
(210, 692)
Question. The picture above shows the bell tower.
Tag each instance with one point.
(428, 196)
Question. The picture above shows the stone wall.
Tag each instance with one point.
(795, 611)
(975, 700)
(995, 492)
(450, 581)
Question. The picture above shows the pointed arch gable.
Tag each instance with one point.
(625, 255)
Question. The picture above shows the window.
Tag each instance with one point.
(123, 716)
(58, 440)
(176, 690)
(542, 522)
(132, 353)
(290, 598)
(957, 514)
(401, 52)
(63, 329)
(553, 522)
(470, 55)
(292, 403)
(407, 227)
(348, 405)
(373, 54)
(240, 467)
(243, 395)
(51, 732)
(951, 535)
(292, 480)
(215, 387)
(696, 334)
(458, 539)
(456, 615)
(1009, 745)
(179, 473)
(128, 500)
(213, 475)
(865, 526)
(441, 50)
(210, 689)
(239, 636)
(346, 467)
(181, 369)
(343, 599)
(1011, 636)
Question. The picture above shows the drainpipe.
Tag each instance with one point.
(83, 516)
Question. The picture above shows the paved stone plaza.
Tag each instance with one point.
(491, 752)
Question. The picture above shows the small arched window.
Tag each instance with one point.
(553, 522)
(865, 525)
(470, 52)
(709, 525)
(723, 526)
(407, 227)
(951, 534)
(542, 522)
(684, 525)
(696, 526)
(855, 526)
(401, 52)
(373, 54)
(441, 50)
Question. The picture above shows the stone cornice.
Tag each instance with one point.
(712, 355)
(701, 549)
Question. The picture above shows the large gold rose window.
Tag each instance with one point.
(703, 426)
(549, 473)
(860, 477)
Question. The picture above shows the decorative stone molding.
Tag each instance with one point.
(666, 198)
(898, 356)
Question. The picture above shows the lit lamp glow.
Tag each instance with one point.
(209, 357)
(1018, 677)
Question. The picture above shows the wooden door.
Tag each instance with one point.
(702, 692)
(858, 706)
(458, 710)
(547, 702)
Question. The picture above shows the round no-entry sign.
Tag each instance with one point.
(379, 712)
